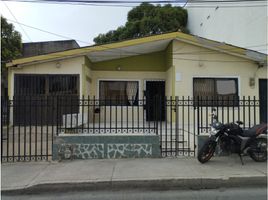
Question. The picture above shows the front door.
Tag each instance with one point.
(155, 96)
(263, 99)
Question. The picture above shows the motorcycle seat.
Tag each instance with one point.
(254, 131)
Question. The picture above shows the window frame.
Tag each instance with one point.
(221, 104)
(18, 77)
(119, 80)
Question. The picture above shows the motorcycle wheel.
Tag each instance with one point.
(258, 151)
(207, 151)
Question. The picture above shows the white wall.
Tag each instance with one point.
(244, 26)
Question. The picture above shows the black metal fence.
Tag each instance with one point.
(107, 116)
(29, 123)
(26, 129)
(188, 117)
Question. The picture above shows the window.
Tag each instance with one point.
(43, 84)
(120, 93)
(63, 84)
(216, 91)
(26, 84)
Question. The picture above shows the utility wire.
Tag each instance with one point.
(138, 2)
(131, 52)
(17, 22)
(135, 1)
(45, 31)
(189, 5)
(69, 38)
(185, 3)
(65, 37)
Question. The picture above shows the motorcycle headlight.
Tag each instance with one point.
(213, 131)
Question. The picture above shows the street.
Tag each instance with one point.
(212, 194)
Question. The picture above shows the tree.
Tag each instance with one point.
(11, 47)
(145, 20)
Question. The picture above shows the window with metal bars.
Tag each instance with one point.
(41, 84)
(119, 93)
(215, 91)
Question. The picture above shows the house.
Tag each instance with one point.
(122, 73)
(151, 96)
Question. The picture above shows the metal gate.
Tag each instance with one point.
(32, 137)
(188, 117)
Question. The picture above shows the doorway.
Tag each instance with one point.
(155, 97)
(263, 99)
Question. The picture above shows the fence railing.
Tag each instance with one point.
(187, 117)
(91, 115)
(28, 123)
(96, 116)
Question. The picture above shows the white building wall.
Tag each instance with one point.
(241, 24)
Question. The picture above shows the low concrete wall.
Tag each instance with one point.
(105, 146)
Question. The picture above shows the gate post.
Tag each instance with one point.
(57, 115)
(198, 117)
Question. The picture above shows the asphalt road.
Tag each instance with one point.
(212, 194)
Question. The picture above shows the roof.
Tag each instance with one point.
(139, 46)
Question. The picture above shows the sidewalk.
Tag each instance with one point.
(165, 173)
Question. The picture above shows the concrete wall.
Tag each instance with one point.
(237, 24)
(106, 146)
(40, 48)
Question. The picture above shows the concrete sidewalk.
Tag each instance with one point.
(165, 173)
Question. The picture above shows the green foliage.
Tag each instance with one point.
(146, 20)
(11, 47)
(10, 41)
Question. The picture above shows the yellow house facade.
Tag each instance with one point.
(175, 58)
(178, 61)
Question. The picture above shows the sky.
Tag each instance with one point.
(78, 22)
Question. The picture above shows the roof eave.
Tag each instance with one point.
(85, 50)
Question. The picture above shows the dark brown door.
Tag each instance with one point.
(263, 99)
(155, 96)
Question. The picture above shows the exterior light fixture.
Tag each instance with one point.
(251, 82)
(58, 65)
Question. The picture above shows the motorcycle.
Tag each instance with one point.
(231, 138)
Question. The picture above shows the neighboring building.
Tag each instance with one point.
(242, 24)
(172, 64)
(39, 48)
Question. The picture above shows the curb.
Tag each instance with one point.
(157, 184)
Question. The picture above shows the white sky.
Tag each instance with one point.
(74, 21)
